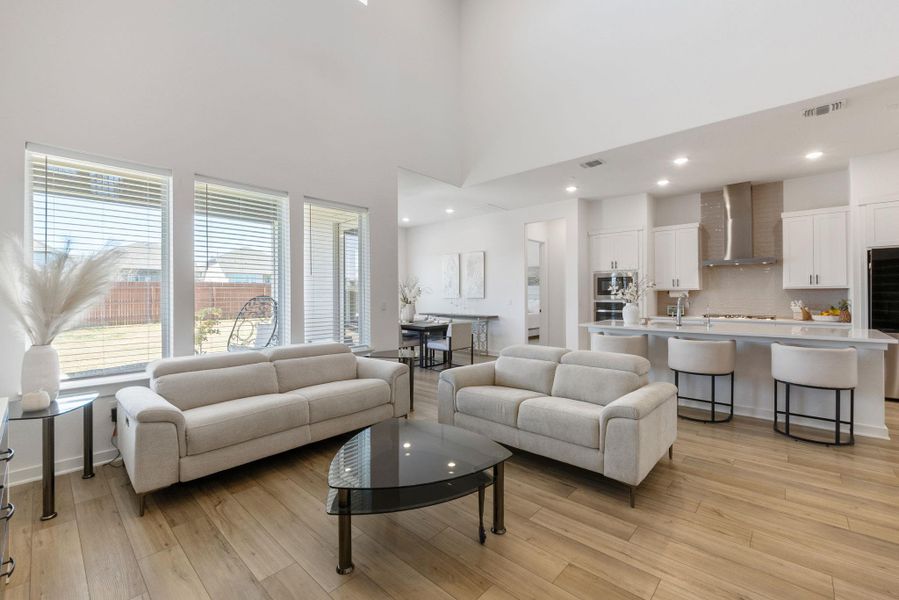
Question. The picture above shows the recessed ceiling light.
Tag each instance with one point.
(407, 445)
(450, 211)
(681, 160)
(662, 182)
(405, 219)
(451, 464)
(814, 155)
(571, 188)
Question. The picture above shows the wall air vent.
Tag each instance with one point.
(824, 109)
(591, 163)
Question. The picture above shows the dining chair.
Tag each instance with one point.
(458, 337)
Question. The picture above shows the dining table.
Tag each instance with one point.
(424, 329)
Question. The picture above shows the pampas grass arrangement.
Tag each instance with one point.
(46, 300)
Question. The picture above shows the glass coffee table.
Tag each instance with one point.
(399, 465)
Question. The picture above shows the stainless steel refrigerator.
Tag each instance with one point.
(883, 308)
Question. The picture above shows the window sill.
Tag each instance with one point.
(106, 385)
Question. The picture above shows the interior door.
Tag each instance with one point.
(627, 251)
(831, 261)
(665, 260)
(686, 253)
(798, 250)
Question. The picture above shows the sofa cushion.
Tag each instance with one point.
(189, 390)
(295, 373)
(305, 350)
(203, 362)
(340, 398)
(562, 419)
(607, 360)
(547, 353)
(591, 384)
(525, 374)
(235, 421)
(493, 403)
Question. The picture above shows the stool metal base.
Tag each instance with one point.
(838, 437)
(713, 417)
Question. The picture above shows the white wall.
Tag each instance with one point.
(677, 210)
(817, 191)
(501, 236)
(623, 212)
(583, 76)
(401, 260)
(320, 98)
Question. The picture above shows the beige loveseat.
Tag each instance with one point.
(595, 410)
(203, 414)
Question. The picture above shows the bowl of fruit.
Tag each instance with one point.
(832, 315)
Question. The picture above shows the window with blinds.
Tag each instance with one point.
(336, 273)
(87, 206)
(240, 265)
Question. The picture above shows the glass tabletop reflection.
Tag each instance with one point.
(64, 403)
(401, 453)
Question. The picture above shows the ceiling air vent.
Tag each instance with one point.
(824, 109)
(591, 163)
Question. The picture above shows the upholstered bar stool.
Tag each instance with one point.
(704, 357)
(637, 345)
(832, 369)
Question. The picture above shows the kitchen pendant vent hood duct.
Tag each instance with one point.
(738, 229)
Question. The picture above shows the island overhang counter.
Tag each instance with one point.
(753, 385)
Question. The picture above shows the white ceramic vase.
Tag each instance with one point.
(631, 313)
(407, 313)
(40, 370)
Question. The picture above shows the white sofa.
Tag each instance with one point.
(595, 410)
(203, 414)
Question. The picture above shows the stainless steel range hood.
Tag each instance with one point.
(738, 229)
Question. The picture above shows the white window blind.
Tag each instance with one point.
(239, 255)
(88, 206)
(336, 273)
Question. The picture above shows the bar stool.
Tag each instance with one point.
(704, 357)
(621, 344)
(833, 369)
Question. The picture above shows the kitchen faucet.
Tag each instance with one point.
(678, 316)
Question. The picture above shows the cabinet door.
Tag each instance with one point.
(799, 252)
(686, 271)
(665, 262)
(831, 248)
(883, 224)
(627, 251)
(601, 253)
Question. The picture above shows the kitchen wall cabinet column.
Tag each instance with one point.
(816, 249)
(677, 260)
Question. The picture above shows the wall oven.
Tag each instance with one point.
(606, 311)
(604, 282)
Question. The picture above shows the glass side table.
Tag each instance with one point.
(64, 403)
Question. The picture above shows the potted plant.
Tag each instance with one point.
(631, 294)
(410, 292)
(46, 299)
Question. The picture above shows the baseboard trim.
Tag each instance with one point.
(66, 465)
(880, 432)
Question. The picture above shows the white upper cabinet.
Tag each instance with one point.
(883, 224)
(677, 261)
(618, 251)
(816, 249)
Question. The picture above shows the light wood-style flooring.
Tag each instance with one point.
(740, 513)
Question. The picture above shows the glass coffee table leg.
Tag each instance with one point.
(48, 477)
(482, 533)
(499, 510)
(344, 534)
(88, 417)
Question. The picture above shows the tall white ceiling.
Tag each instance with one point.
(545, 82)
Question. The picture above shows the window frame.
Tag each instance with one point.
(166, 303)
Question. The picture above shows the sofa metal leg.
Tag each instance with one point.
(671, 452)
(633, 494)
(141, 503)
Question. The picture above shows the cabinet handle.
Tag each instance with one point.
(8, 571)
(816, 279)
(7, 455)
(10, 509)
(809, 279)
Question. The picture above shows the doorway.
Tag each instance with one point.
(544, 318)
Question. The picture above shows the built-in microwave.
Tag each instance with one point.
(605, 282)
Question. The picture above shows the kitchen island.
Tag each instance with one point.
(753, 384)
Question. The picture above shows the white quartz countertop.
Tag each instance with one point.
(697, 320)
(762, 330)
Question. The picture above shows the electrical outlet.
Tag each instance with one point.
(113, 413)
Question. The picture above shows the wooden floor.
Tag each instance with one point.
(740, 513)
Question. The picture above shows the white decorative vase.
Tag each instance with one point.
(631, 313)
(407, 313)
(40, 370)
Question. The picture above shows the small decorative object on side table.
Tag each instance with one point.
(64, 403)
